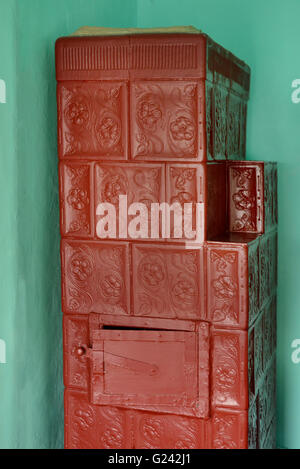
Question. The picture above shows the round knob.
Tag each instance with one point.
(80, 351)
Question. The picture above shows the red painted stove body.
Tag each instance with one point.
(167, 343)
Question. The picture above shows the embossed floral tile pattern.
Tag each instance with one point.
(227, 285)
(229, 358)
(252, 197)
(168, 282)
(158, 333)
(252, 207)
(87, 286)
(227, 277)
(76, 336)
(246, 185)
(92, 119)
(165, 120)
(253, 280)
(270, 196)
(143, 184)
(229, 369)
(165, 282)
(262, 379)
(262, 342)
(240, 280)
(186, 184)
(186, 98)
(76, 204)
(104, 427)
(170, 120)
(226, 116)
(84, 185)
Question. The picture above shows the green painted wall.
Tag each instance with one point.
(266, 34)
(8, 206)
(30, 316)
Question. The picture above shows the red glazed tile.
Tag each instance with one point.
(220, 96)
(273, 260)
(267, 326)
(93, 427)
(251, 370)
(243, 129)
(76, 340)
(234, 122)
(87, 286)
(90, 58)
(167, 56)
(209, 134)
(135, 310)
(227, 285)
(270, 196)
(155, 431)
(164, 122)
(141, 183)
(168, 281)
(265, 266)
(185, 184)
(229, 429)
(245, 202)
(253, 426)
(254, 279)
(262, 415)
(225, 123)
(267, 405)
(274, 322)
(75, 199)
(168, 59)
(229, 369)
(89, 426)
(104, 427)
(270, 389)
(258, 351)
(92, 119)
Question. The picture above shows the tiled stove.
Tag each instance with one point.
(168, 343)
